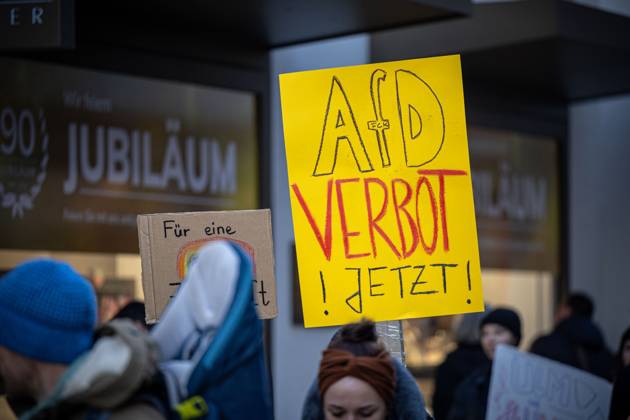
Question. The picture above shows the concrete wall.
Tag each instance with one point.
(599, 143)
(296, 351)
(599, 206)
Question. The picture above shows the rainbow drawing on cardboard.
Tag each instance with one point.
(188, 252)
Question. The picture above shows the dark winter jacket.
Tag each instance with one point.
(620, 404)
(456, 367)
(408, 401)
(577, 342)
(471, 396)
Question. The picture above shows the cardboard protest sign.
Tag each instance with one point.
(381, 191)
(170, 241)
(526, 386)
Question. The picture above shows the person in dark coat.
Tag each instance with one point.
(620, 404)
(135, 312)
(53, 364)
(501, 326)
(576, 340)
(459, 363)
(623, 354)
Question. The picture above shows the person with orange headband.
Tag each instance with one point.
(358, 379)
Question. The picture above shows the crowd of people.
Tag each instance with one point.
(205, 357)
(463, 379)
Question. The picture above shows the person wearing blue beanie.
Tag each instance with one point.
(53, 362)
(47, 319)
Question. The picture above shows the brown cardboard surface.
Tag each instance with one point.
(168, 240)
(5, 411)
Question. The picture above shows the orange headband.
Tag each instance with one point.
(378, 371)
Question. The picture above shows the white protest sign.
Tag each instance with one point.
(529, 387)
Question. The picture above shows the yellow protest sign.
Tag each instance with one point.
(381, 191)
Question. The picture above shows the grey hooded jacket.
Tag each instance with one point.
(103, 382)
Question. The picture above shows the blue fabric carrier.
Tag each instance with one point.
(231, 376)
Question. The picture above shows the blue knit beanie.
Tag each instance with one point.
(47, 311)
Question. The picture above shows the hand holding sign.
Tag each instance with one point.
(381, 191)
